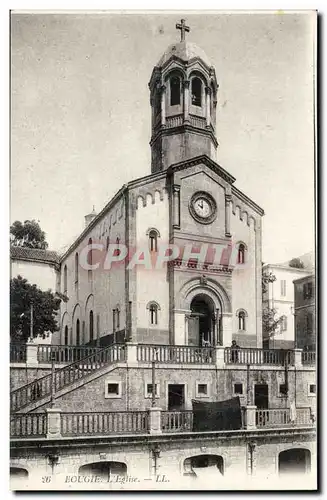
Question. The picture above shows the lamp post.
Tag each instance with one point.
(31, 321)
(154, 358)
(53, 382)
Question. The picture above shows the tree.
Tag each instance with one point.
(45, 307)
(266, 279)
(270, 322)
(297, 263)
(28, 234)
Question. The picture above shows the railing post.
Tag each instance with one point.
(154, 420)
(131, 353)
(31, 354)
(250, 421)
(297, 358)
(219, 356)
(54, 423)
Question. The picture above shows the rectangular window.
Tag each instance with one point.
(238, 388)
(283, 288)
(312, 389)
(148, 392)
(310, 290)
(310, 322)
(112, 389)
(282, 389)
(307, 290)
(284, 324)
(202, 390)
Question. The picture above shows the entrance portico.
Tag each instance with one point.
(204, 317)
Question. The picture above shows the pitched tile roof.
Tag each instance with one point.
(34, 255)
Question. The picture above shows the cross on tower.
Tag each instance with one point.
(182, 26)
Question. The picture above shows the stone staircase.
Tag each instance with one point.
(39, 392)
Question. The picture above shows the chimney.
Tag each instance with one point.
(89, 217)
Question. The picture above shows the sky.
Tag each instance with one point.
(80, 113)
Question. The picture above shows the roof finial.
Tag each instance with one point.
(182, 26)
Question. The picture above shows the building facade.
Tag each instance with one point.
(305, 313)
(210, 290)
(39, 267)
(279, 295)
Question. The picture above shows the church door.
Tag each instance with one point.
(202, 327)
(193, 330)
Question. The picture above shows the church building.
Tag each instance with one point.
(209, 291)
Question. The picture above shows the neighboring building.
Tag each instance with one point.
(279, 295)
(39, 267)
(304, 312)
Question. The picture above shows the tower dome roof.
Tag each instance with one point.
(184, 50)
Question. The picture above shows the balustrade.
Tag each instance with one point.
(92, 423)
(28, 425)
(175, 354)
(42, 387)
(249, 356)
(17, 353)
(308, 357)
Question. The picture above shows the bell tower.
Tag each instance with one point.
(183, 97)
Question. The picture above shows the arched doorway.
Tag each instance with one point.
(201, 321)
(105, 470)
(294, 461)
(210, 463)
(18, 478)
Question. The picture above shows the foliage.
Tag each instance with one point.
(28, 234)
(270, 321)
(297, 263)
(267, 278)
(45, 306)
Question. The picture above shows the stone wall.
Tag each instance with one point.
(161, 459)
(220, 385)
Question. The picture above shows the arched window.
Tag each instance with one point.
(175, 90)
(241, 254)
(91, 329)
(66, 339)
(196, 92)
(89, 260)
(241, 320)
(76, 268)
(89, 255)
(65, 280)
(78, 337)
(117, 249)
(153, 240)
(153, 312)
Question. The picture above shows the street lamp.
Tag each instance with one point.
(154, 359)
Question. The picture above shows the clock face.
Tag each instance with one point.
(203, 207)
